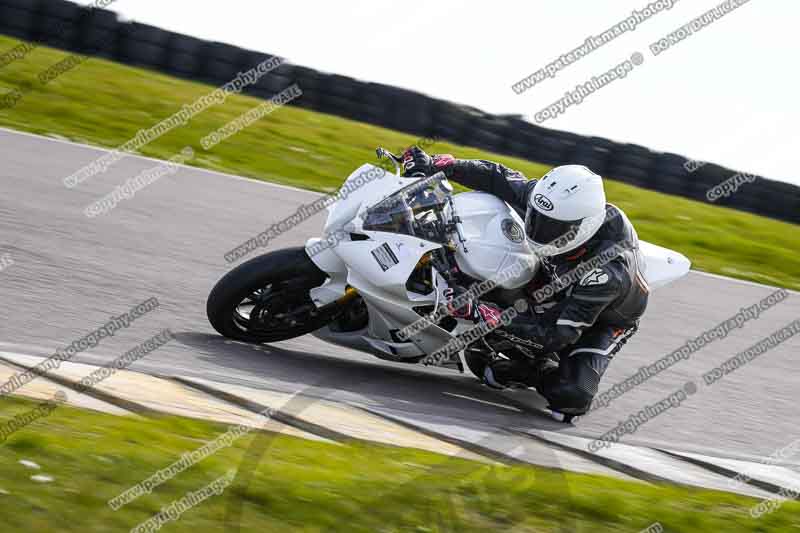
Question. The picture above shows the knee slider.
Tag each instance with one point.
(570, 396)
(577, 389)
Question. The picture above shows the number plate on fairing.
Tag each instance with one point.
(385, 257)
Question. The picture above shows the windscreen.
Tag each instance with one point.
(420, 209)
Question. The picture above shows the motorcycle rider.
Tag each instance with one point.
(567, 224)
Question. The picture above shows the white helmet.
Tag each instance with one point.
(565, 209)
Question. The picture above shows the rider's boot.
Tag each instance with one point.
(508, 373)
(505, 374)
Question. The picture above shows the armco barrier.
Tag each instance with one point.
(98, 32)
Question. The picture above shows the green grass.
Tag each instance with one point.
(288, 484)
(105, 104)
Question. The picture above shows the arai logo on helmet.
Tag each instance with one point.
(543, 202)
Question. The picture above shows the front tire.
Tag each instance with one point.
(266, 299)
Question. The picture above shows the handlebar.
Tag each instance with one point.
(384, 153)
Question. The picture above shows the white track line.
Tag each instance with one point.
(741, 281)
(159, 161)
(296, 189)
(509, 407)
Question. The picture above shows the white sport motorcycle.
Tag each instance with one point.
(394, 248)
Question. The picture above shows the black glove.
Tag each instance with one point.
(416, 163)
(461, 297)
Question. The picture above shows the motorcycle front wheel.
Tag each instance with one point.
(266, 299)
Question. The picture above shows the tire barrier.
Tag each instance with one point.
(99, 32)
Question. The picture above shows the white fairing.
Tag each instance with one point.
(378, 264)
(352, 263)
(365, 187)
(662, 265)
(495, 241)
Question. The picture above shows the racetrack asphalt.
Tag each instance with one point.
(70, 273)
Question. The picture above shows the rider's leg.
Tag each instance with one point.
(522, 371)
(572, 388)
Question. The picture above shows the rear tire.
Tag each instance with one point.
(274, 287)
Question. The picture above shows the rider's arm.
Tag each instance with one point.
(580, 311)
(508, 185)
(494, 178)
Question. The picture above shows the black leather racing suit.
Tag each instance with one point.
(585, 321)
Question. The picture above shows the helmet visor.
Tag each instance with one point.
(543, 230)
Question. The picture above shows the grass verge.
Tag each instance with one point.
(288, 484)
(105, 104)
